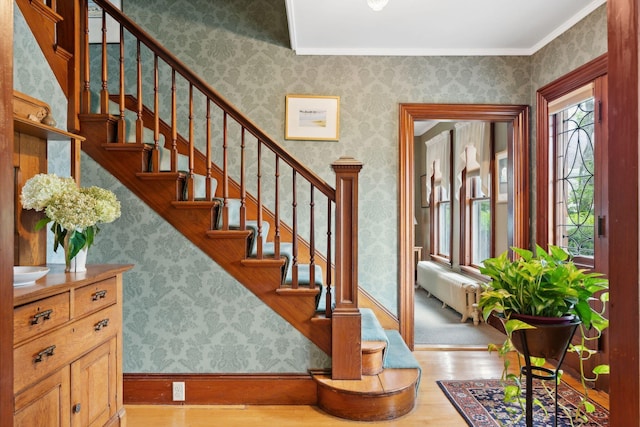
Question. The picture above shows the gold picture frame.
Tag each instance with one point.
(311, 117)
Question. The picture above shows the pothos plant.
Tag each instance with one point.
(545, 284)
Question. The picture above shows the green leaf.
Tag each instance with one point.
(512, 325)
(588, 406)
(511, 392)
(41, 224)
(538, 361)
(601, 369)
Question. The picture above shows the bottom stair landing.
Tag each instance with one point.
(387, 392)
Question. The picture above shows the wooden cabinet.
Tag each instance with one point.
(68, 349)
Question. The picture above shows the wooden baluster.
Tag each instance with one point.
(346, 352)
(259, 207)
(328, 307)
(122, 125)
(86, 61)
(155, 156)
(276, 233)
(104, 93)
(243, 188)
(294, 258)
(139, 122)
(191, 146)
(208, 195)
(174, 123)
(312, 242)
(225, 176)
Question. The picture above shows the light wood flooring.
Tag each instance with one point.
(432, 407)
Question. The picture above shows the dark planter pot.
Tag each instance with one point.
(549, 339)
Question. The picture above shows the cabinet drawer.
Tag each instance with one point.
(44, 355)
(40, 316)
(94, 296)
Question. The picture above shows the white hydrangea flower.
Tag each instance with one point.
(38, 190)
(75, 212)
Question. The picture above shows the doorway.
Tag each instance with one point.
(517, 118)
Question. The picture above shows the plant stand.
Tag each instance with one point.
(532, 343)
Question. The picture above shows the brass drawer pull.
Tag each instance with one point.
(44, 315)
(48, 352)
(99, 295)
(101, 324)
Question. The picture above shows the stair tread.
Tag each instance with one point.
(387, 381)
(373, 346)
(371, 328)
(160, 175)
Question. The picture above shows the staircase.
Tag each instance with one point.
(270, 222)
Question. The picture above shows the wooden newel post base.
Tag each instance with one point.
(346, 351)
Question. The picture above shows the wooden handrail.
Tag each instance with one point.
(218, 99)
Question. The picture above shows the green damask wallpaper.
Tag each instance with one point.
(183, 314)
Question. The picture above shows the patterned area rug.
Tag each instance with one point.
(480, 404)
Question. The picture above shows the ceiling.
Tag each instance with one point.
(430, 27)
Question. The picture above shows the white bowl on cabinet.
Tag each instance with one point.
(27, 275)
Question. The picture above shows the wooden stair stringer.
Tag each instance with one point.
(42, 21)
(227, 248)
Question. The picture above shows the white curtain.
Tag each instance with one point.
(473, 138)
(437, 158)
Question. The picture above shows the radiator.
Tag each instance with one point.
(454, 290)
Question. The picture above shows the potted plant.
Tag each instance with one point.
(74, 212)
(534, 290)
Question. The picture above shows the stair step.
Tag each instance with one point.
(126, 146)
(168, 176)
(304, 276)
(372, 352)
(389, 387)
(371, 328)
(384, 396)
(196, 204)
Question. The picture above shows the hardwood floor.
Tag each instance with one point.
(432, 407)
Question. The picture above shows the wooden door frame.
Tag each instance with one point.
(6, 212)
(623, 22)
(518, 207)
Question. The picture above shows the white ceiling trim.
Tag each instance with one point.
(413, 52)
(395, 51)
(567, 24)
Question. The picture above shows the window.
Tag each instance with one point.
(475, 145)
(571, 191)
(462, 205)
(438, 177)
(573, 142)
(443, 231)
(480, 223)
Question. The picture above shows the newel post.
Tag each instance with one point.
(346, 352)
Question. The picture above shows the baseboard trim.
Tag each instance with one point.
(221, 389)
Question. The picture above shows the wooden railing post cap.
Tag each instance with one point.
(345, 162)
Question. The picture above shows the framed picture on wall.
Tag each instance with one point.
(309, 117)
(502, 177)
(424, 201)
(95, 24)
